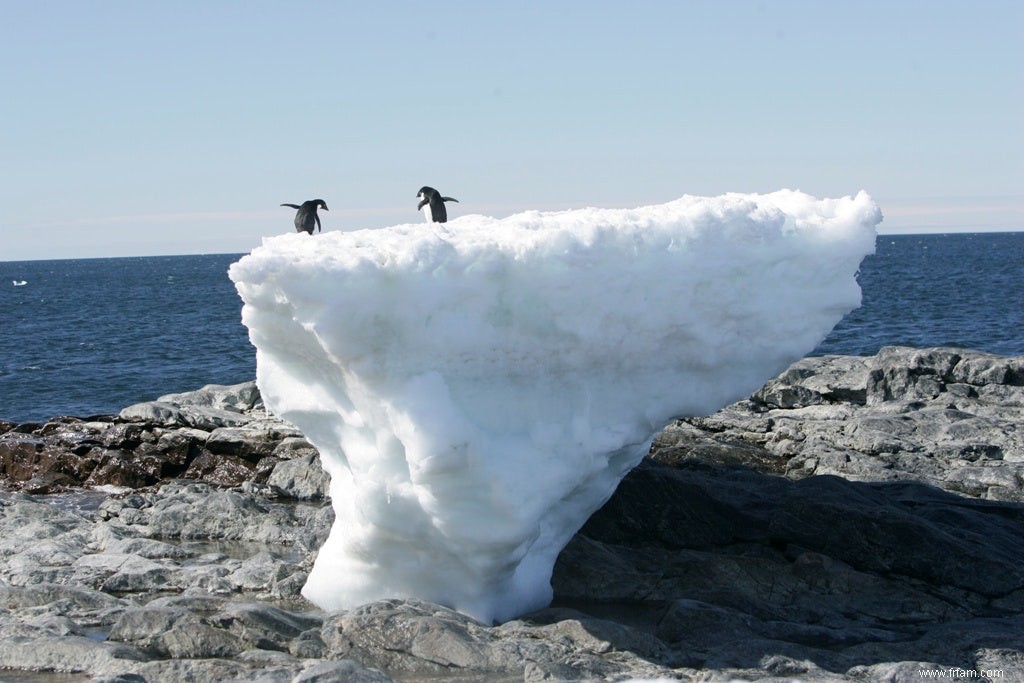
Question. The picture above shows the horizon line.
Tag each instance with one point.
(879, 233)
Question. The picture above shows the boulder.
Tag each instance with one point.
(153, 412)
(238, 398)
(301, 478)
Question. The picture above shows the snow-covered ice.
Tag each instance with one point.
(477, 389)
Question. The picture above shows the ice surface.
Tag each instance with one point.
(477, 389)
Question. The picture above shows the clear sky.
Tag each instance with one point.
(138, 128)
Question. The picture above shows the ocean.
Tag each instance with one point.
(89, 337)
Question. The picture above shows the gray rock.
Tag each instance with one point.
(247, 443)
(946, 417)
(65, 653)
(413, 636)
(737, 565)
(146, 548)
(209, 418)
(855, 519)
(405, 635)
(301, 478)
(138, 574)
(202, 417)
(909, 374)
(293, 447)
(268, 576)
(154, 412)
(203, 670)
(144, 627)
(76, 599)
(175, 633)
(343, 670)
(197, 511)
(814, 381)
(309, 645)
(265, 626)
(238, 398)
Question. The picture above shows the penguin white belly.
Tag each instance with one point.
(428, 213)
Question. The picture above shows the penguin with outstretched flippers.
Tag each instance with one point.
(306, 216)
(434, 202)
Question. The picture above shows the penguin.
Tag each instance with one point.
(434, 202)
(307, 216)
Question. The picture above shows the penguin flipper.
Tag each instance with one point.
(317, 217)
(294, 206)
(449, 199)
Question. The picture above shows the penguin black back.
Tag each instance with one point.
(306, 217)
(434, 202)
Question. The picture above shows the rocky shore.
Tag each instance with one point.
(856, 519)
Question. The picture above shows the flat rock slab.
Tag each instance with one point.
(952, 418)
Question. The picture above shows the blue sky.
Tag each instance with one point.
(137, 128)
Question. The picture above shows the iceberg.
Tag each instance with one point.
(477, 389)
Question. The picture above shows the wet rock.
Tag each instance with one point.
(116, 468)
(344, 670)
(29, 457)
(144, 627)
(219, 470)
(65, 653)
(127, 437)
(74, 599)
(262, 571)
(119, 678)
(179, 448)
(208, 669)
(267, 627)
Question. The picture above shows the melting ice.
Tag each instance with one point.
(477, 389)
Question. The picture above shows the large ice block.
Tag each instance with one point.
(477, 389)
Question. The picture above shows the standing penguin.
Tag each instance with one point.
(434, 202)
(307, 216)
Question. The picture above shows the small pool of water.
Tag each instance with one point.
(18, 676)
(81, 501)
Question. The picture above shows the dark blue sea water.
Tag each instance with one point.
(89, 337)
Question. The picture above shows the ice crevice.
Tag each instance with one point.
(476, 390)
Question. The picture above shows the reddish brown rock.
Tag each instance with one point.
(220, 470)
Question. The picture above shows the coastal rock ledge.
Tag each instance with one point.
(856, 519)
